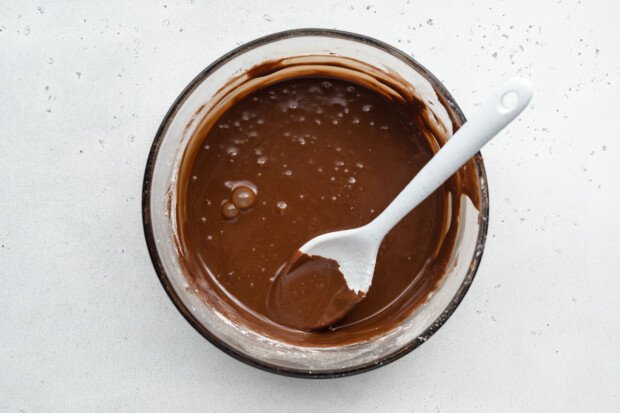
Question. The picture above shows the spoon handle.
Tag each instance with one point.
(506, 103)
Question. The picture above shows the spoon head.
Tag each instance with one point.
(310, 294)
(355, 251)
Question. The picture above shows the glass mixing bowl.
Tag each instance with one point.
(160, 225)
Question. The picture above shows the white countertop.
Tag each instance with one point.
(84, 322)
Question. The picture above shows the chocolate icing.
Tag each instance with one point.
(324, 144)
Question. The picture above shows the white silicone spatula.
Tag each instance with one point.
(356, 249)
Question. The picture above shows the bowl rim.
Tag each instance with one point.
(152, 245)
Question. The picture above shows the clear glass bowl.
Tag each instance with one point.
(160, 226)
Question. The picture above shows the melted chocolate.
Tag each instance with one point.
(320, 154)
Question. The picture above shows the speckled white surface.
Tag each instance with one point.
(85, 324)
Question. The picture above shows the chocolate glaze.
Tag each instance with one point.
(324, 147)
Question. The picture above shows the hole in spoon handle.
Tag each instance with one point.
(505, 103)
(512, 96)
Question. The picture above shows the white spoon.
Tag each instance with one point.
(332, 272)
(356, 249)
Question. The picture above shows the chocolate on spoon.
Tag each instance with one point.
(310, 293)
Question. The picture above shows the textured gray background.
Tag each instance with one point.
(85, 324)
